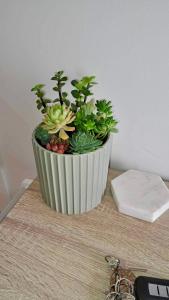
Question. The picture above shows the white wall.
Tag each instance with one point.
(125, 43)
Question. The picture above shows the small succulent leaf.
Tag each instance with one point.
(43, 110)
(73, 107)
(64, 94)
(39, 105)
(68, 128)
(74, 82)
(65, 78)
(115, 130)
(54, 78)
(86, 92)
(40, 93)
(37, 87)
(48, 100)
(79, 85)
(63, 135)
(55, 88)
(67, 102)
(75, 93)
(60, 73)
(56, 100)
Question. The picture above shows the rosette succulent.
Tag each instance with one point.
(77, 126)
(56, 120)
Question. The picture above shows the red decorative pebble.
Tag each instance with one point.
(55, 148)
(61, 147)
(60, 151)
(48, 146)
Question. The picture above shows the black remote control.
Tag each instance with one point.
(149, 288)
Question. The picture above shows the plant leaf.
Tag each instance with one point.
(75, 93)
(37, 87)
(82, 142)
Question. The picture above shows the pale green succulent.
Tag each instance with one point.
(56, 120)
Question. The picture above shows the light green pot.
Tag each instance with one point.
(72, 184)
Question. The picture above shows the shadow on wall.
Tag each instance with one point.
(15, 153)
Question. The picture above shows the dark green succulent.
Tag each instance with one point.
(83, 142)
(105, 126)
(96, 119)
(104, 108)
(42, 135)
(85, 117)
(105, 122)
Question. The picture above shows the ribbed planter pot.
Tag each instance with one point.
(72, 184)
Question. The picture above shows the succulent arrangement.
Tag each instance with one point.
(77, 126)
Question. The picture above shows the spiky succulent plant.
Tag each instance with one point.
(104, 108)
(56, 120)
(82, 142)
(105, 122)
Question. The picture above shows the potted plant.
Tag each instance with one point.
(72, 145)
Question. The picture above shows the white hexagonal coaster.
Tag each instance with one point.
(140, 194)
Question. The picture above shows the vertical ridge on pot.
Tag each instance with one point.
(62, 176)
(80, 179)
(43, 166)
(76, 182)
(98, 175)
(38, 166)
(89, 175)
(57, 190)
(107, 153)
(50, 157)
(55, 183)
(49, 177)
(95, 178)
(41, 171)
(69, 184)
(93, 186)
(104, 155)
(100, 184)
(83, 182)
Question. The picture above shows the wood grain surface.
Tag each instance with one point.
(46, 255)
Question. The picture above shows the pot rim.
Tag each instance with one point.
(67, 154)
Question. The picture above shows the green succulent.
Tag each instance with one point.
(42, 135)
(41, 101)
(105, 127)
(82, 89)
(104, 108)
(105, 122)
(60, 79)
(83, 142)
(56, 120)
(85, 118)
(97, 119)
(84, 123)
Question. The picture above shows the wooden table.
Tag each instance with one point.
(45, 255)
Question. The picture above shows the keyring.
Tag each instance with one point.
(127, 283)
